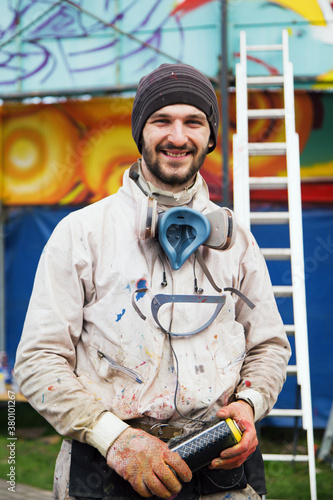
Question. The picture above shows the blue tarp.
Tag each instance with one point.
(27, 230)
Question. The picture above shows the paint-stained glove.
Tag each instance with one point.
(143, 461)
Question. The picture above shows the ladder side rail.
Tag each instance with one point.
(297, 260)
(325, 448)
(294, 201)
(241, 166)
(295, 224)
(241, 159)
(300, 320)
(237, 171)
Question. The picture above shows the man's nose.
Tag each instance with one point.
(177, 134)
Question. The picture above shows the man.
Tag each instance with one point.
(97, 363)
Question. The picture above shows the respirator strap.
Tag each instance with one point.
(231, 289)
(205, 269)
(247, 301)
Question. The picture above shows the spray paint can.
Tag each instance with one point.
(199, 448)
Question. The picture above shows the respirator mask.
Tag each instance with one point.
(181, 230)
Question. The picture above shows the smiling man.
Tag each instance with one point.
(118, 375)
(175, 142)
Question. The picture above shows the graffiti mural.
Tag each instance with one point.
(75, 152)
(50, 45)
(310, 27)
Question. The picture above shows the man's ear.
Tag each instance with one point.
(211, 142)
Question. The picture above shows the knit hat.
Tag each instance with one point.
(174, 84)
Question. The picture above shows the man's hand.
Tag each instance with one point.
(143, 460)
(242, 413)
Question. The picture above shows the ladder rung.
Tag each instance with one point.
(267, 148)
(292, 370)
(276, 253)
(268, 182)
(283, 291)
(255, 48)
(265, 113)
(264, 80)
(289, 329)
(269, 217)
(286, 413)
(285, 458)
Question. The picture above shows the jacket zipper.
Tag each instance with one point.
(131, 373)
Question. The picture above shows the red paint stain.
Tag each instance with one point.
(247, 383)
(51, 388)
(215, 336)
(188, 5)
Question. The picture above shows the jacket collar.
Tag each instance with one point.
(197, 196)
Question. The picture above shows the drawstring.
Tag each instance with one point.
(196, 288)
(231, 289)
(164, 282)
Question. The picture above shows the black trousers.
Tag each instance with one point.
(91, 478)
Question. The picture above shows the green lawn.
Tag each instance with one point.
(290, 481)
(37, 446)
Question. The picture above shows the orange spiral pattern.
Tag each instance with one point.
(34, 166)
(77, 151)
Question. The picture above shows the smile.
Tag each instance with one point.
(176, 155)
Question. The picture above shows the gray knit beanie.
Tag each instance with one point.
(174, 84)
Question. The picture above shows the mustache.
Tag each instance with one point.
(170, 145)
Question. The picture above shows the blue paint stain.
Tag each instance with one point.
(119, 316)
(43, 399)
(128, 287)
(141, 284)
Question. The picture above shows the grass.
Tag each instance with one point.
(290, 481)
(37, 447)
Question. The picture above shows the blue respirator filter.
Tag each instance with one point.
(181, 231)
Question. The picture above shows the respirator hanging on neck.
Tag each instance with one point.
(181, 230)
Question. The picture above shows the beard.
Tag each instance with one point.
(155, 167)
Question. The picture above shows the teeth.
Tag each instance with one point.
(175, 155)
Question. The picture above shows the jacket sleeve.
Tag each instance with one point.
(267, 347)
(46, 355)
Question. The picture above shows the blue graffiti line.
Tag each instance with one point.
(119, 316)
(65, 22)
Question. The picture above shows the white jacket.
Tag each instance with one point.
(86, 357)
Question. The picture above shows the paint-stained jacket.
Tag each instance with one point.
(85, 351)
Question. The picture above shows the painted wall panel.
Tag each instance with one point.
(75, 151)
(310, 27)
(70, 48)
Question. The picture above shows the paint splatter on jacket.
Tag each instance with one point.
(87, 359)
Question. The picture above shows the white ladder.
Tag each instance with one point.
(243, 184)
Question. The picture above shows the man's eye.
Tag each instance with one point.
(195, 122)
(160, 121)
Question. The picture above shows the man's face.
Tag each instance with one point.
(175, 142)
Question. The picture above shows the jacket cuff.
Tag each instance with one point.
(254, 398)
(105, 432)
